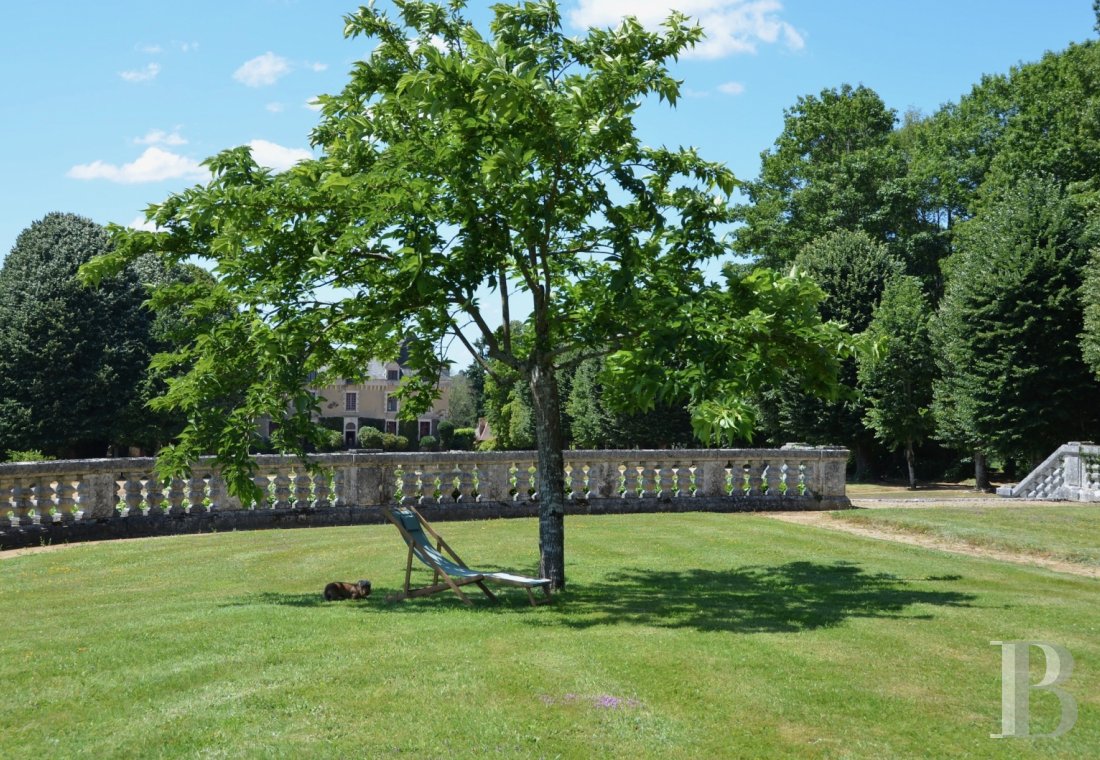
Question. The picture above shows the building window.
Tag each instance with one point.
(351, 402)
(391, 426)
(391, 403)
(393, 374)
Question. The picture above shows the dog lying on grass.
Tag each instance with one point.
(343, 590)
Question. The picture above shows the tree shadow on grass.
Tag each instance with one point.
(796, 596)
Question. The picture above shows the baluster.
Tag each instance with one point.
(648, 488)
(784, 488)
(630, 480)
(21, 503)
(262, 483)
(811, 475)
(517, 480)
(666, 472)
(196, 495)
(410, 486)
(770, 478)
(532, 480)
(282, 489)
(575, 477)
(218, 493)
(321, 490)
(447, 476)
(5, 505)
(131, 490)
(154, 496)
(469, 483)
(800, 481)
(755, 472)
(43, 501)
(303, 492)
(683, 480)
(427, 487)
(176, 496)
(339, 486)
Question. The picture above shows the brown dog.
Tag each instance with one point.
(343, 590)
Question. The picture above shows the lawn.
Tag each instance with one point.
(924, 492)
(1065, 532)
(680, 636)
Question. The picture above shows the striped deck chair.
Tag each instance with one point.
(449, 567)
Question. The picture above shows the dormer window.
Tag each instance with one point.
(393, 374)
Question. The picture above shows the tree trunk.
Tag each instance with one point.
(981, 472)
(551, 479)
(910, 460)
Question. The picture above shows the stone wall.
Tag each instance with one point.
(82, 500)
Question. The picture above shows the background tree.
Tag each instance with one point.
(72, 360)
(596, 423)
(838, 165)
(453, 161)
(1012, 379)
(896, 380)
(462, 403)
(854, 271)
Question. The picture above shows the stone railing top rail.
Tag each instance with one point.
(366, 457)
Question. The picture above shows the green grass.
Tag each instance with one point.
(1070, 533)
(680, 636)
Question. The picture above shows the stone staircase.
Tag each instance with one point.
(1072, 473)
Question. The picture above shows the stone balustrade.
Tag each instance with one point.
(106, 498)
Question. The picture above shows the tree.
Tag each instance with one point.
(461, 401)
(837, 166)
(597, 422)
(854, 271)
(454, 161)
(1012, 379)
(896, 380)
(71, 359)
(1090, 302)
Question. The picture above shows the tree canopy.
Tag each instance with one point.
(457, 166)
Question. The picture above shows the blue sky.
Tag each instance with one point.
(108, 107)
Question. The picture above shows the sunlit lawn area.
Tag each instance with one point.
(1066, 532)
(924, 491)
(680, 636)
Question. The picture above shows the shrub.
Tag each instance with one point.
(371, 438)
(28, 455)
(463, 438)
(428, 443)
(447, 434)
(391, 442)
(333, 441)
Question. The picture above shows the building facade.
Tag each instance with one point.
(372, 402)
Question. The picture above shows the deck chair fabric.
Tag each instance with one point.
(447, 566)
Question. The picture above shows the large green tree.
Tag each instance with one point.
(854, 271)
(896, 380)
(1012, 379)
(838, 165)
(71, 360)
(456, 162)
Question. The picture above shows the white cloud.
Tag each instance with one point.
(275, 107)
(151, 49)
(732, 26)
(262, 70)
(731, 88)
(154, 165)
(186, 47)
(275, 156)
(313, 104)
(317, 66)
(139, 223)
(160, 137)
(141, 75)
